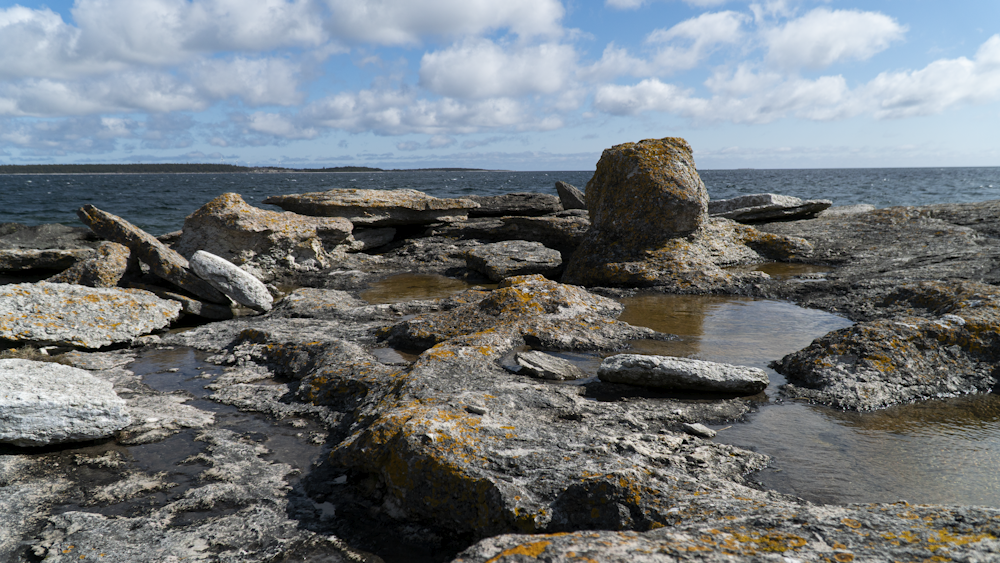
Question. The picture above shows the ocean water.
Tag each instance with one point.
(159, 202)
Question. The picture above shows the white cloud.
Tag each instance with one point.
(400, 22)
(633, 4)
(480, 69)
(89, 135)
(824, 37)
(255, 81)
(279, 126)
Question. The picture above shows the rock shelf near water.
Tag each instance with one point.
(433, 442)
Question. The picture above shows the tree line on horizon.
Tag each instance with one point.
(167, 168)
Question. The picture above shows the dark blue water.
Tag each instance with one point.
(159, 202)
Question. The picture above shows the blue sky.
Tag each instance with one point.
(511, 84)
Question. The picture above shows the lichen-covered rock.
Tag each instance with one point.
(763, 208)
(546, 314)
(162, 261)
(650, 189)
(78, 316)
(514, 258)
(377, 208)
(106, 269)
(239, 285)
(43, 403)
(942, 341)
(43, 247)
(519, 204)
(665, 372)
(263, 242)
(570, 196)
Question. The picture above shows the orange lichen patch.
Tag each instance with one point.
(533, 549)
(775, 542)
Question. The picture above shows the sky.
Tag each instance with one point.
(500, 84)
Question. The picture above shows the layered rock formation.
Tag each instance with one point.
(376, 208)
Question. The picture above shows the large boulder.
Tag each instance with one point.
(73, 315)
(162, 261)
(43, 247)
(666, 372)
(501, 260)
(239, 285)
(43, 403)
(764, 208)
(263, 242)
(376, 208)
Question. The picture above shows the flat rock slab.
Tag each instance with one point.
(547, 366)
(516, 204)
(43, 403)
(763, 208)
(162, 261)
(666, 372)
(377, 208)
(73, 315)
(514, 258)
(241, 286)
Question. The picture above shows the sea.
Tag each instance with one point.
(159, 203)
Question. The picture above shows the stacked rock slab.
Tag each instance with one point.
(650, 226)
(43, 247)
(162, 261)
(376, 208)
(106, 269)
(763, 208)
(514, 258)
(262, 242)
(43, 403)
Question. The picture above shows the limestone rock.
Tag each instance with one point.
(570, 196)
(376, 208)
(261, 241)
(74, 315)
(239, 285)
(514, 258)
(43, 403)
(649, 189)
(944, 342)
(665, 372)
(106, 269)
(43, 247)
(162, 261)
(189, 305)
(763, 208)
(698, 429)
(368, 239)
(547, 366)
(521, 204)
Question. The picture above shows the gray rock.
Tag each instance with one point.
(189, 305)
(43, 247)
(523, 204)
(842, 210)
(368, 239)
(241, 286)
(698, 429)
(514, 258)
(547, 366)
(570, 196)
(264, 243)
(43, 403)
(763, 208)
(162, 261)
(106, 269)
(665, 372)
(376, 208)
(73, 315)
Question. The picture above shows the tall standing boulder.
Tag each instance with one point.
(649, 226)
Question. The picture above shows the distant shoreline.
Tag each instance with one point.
(117, 169)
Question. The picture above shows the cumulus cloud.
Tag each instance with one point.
(480, 68)
(256, 81)
(86, 135)
(823, 37)
(400, 22)
(633, 4)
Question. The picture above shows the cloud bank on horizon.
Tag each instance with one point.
(522, 84)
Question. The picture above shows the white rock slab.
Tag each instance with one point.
(43, 403)
(547, 366)
(667, 372)
(225, 276)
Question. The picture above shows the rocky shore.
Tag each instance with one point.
(327, 428)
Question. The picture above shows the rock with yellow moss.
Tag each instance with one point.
(264, 243)
(106, 269)
(939, 340)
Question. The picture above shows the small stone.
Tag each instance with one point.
(547, 366)
(699, 430)
(241, 286)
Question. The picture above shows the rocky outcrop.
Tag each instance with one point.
(106, 269)
(570, 196)
(943, 340)
(376, 208)
(765, 208)
(650, 227)
(43, 247)
(237, 284)
(514, 258)
(265, 243)
(77, 316)
(162, 261)
(520, 204)
(44, 403)
(665, 372)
